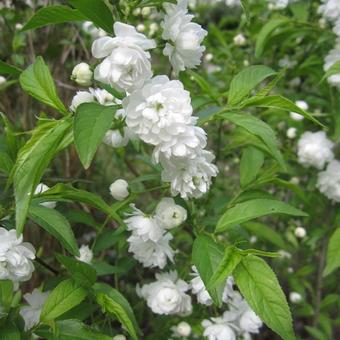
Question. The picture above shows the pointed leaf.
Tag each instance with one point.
(333, 258)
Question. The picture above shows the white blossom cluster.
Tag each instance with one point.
(149, 242)
(15, 257)
(330, 11)
(156, 110)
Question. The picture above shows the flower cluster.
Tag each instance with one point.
(150, 238)
(15, 257)
(330, 10)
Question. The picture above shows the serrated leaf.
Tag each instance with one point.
(55, 224)
(246, 80)
(37, 81)
(231, 258)
(53, 15)
(249, 210)
(260, 129)
(96, 11)
(65, 296)
(33, 158)
(81, 272)
(333, 259)
(251, 162)
(260, 287)
(206, 256)
(115, 304)
(90, 125)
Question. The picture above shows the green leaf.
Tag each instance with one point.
(53, 15)
(6, 163)
(333, 258)
(260, 287)
(9, 69)
(97, 12)
(251, 162)
(55, 224)
(206, 256)
(265, 34)
(81, 272)
(231, 258)
(65, 296)
(260, 129)
(37, 81)
(246, 80)
(90, 125)
(72, 330)
(63, 192)
(334, 69)
(249, 210)
(281, 103)
(6, 293)
(10, 332)
(115, 304)
(266, 233)
(33, 158)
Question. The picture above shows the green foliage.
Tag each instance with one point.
(251, 163)
(333, 260)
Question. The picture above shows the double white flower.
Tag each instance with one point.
(167, 295)
(185, 37)
(127, 63)
(15, 257)
(329, 181)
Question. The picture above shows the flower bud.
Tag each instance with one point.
(183, 329)
(140, 27)
(239, 40)
(303, 106)
(39, 190)
(291, 132)
(146, 11)
(300, 232)
(295, 297)
(170, 214)
(2, 80)
(119, 189)
(86, 254)
(209, 57)
(80, 98)
(82, 74)
(18, 26)
(115, 138)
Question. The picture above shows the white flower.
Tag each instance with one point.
(250, 322)
(336, 28)
(189, 177)
(295, 297)
(291, 132)
(149, 253)
(302, 105)
(15, 257)
(145, 227)
(169, 213)
(228, 292)
(239, 40)
(233, 3)
(82, 74)
(197, 286)
(167, 295)
(119, 189)
(332, 57)
(89, 28)
(161, 114)
(185, 37)
(2, 80)
(183, 329)
(315, 149)
(218, 329)
(86, 254)
(31, 313)
(300, 232)
(329, 181)
(278, 4)
(41, 187)
(104, 97)
(80, 98)
(116, 139)
(126, 65)
(330, 9)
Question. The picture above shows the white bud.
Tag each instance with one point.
(291, 132)
(300, 232)
(322, 23)
(146, 11)
(253, 239)
(80, 98)
(39, 190)
(153, 28)
(18, 26)
(303, 106)
(295, 297)
(170, 214)
(82, 74)
(115, 138)
(137, 11)
(140, 27)
(290, 270)
(295, 180)
(119, 189)
(183, 329)
(119, 337)
(284, 254)
(86, 254)
(239, 39)
(2, 80)
(209, 57)
(246, 62)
